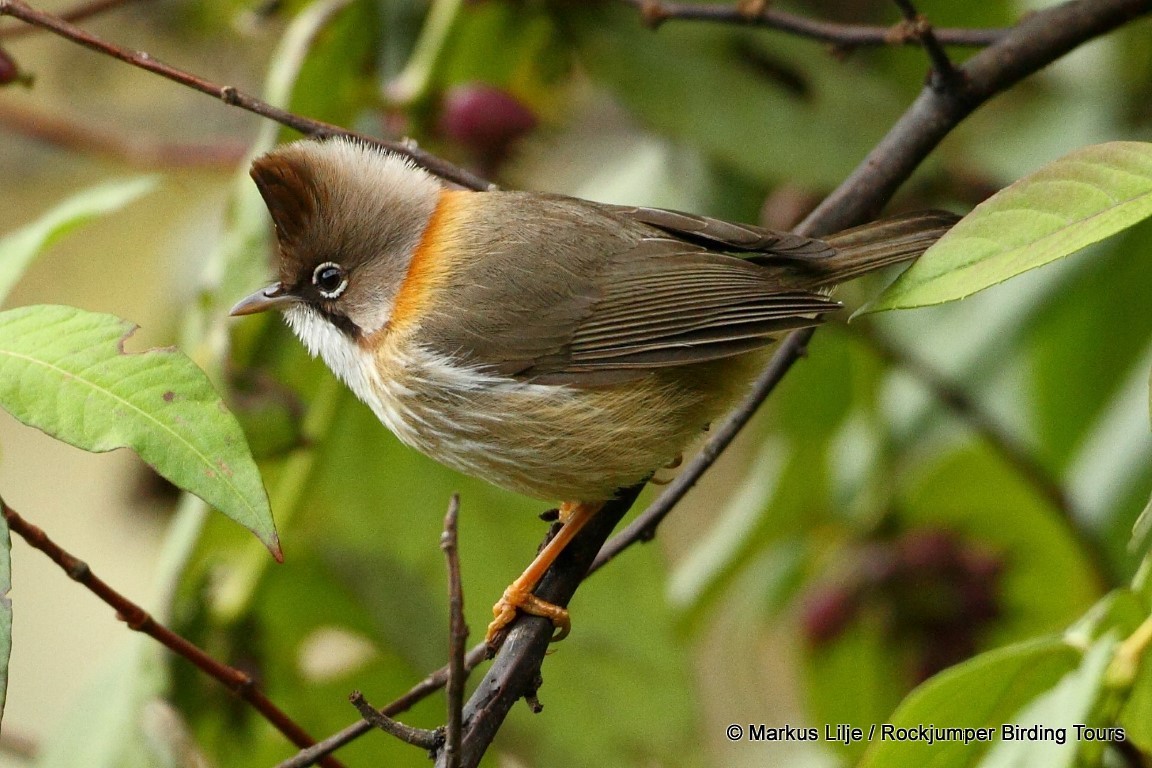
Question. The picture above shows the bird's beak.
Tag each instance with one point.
(272, 297)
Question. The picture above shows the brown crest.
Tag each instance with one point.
(289, 191)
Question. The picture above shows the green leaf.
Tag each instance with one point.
(1141, 528)
(19, 248)
(1084, 343)
(1078, 200)
(985, 692)
(5, 609)
(1136, 716)
(65, 371)
(1070, 702)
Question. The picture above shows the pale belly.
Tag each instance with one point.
(551, 442)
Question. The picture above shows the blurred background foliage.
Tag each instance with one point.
(861, 536)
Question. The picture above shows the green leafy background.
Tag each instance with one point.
(709, 625)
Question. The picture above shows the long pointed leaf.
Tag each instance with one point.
(1078, 200)
(65, 371)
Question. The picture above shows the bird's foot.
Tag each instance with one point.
(516, 598)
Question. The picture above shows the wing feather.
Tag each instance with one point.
(612, 293)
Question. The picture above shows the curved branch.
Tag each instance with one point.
(656, 13)
(136, 618)
(1037, 41)
(232, 96)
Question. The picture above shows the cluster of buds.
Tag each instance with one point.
(933, 591)
(9, 71)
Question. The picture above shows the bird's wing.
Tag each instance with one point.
(668, 303)
(604, 299)
(727, 235)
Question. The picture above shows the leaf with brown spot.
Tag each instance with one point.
(64, 371)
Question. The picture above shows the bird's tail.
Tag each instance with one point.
(880, 243)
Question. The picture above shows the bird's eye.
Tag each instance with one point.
(330, 279)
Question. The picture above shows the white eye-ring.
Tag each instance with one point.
(330, 279)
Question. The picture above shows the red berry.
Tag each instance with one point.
(484, 119)
(9, 72)
(826, 613)
(928, 550)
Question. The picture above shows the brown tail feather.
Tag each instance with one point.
(880, 243)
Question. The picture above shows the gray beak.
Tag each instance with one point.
(272, 297)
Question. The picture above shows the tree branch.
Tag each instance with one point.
(515, 672)
(1037, 41)
(138, 619)
(656, 12)
(234, 97)
(417, 693)
(944, 74)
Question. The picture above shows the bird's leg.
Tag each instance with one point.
(518, 595)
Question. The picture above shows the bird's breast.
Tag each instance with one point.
(550, 441)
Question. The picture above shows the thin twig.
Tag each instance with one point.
(417, 737)
(1002, 441)
(944, 72)
(417, 693)
(235, 97)
(138, 619)
(457, 637)
(137, 150)
(76, 13)
(844, 36)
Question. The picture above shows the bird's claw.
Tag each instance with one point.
(515, 599)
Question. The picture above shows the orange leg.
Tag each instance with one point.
(519, 595)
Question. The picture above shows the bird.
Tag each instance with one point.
(557, 347)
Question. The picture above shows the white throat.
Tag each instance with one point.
(341, 354)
